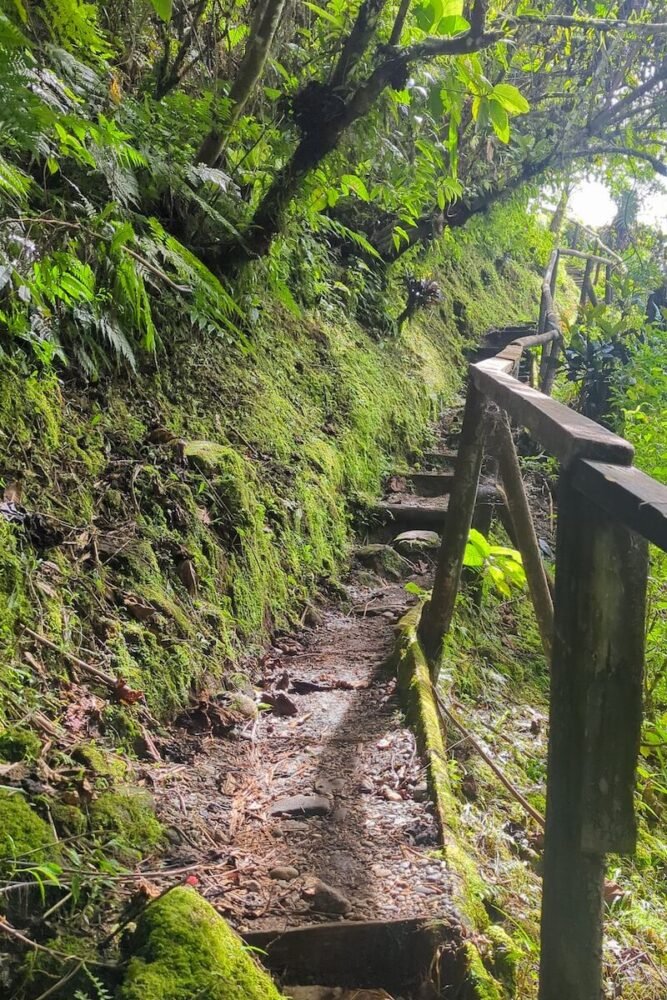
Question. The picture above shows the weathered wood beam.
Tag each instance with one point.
(628, 494)
(562, 432)
(437, 613)
(524, 529)
(594, 726)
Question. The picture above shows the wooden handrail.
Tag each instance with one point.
(607, 512)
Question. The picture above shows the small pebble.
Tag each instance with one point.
(284, 873)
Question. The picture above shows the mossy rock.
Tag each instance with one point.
(383, 560)
(183, 949)
(129, 815)
(19, 744)
(209, 456)
(22, 832)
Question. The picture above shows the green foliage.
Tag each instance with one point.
(500, 567)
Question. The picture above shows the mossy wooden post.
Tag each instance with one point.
(595, 717)
(524, 530)
(437, 614)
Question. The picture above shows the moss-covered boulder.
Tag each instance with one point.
(182, 949)
(22, 832)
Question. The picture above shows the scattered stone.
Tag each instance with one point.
(469, 787)
(411, 542)
(329, 786)
(301, 805)
(420, 792)
(284, 873)
(325, 899)
(390, 794)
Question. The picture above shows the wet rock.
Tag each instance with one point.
(325, 899)
(301, 805)
(411, 542)
(284, 873)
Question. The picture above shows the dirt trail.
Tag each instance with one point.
(356, 840)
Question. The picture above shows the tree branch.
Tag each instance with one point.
(595, 23)
(602, 119)
(658, 165)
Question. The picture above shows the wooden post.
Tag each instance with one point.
(524, 529)
(585, 283)
(595, 716)
(552, 366)
(437, 613)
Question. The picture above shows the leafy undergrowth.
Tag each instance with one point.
(495, 675)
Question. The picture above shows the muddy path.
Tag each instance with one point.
(320, 813)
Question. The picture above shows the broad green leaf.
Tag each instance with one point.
(163, 8)
(499, 120)
(477, 539)
(325, 15)
(354, 183)
(511, 99)
(428, 14)
(455, 25)
(472, 557)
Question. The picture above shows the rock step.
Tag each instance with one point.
(430, 484)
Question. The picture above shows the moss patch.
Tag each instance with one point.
(182, 949)
(414, 683)
(129, 817)
(23, 834)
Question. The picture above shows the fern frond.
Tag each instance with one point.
(323, 222)
(15, 185)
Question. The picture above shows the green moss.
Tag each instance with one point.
(17, 743)
(182, 949)
(103, 763)
(22, 832)
(70, 821)
(506, 957)
(480, 982)
(128, 815)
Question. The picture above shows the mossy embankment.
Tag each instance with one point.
(176, 518)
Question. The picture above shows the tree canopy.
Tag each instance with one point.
(157, 146)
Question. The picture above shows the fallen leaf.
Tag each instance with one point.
(126, 694)
(13, 492)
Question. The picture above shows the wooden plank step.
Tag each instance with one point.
(440, 457)
(405, 512)
(430, 484)
(399, 956)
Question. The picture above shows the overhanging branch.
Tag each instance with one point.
(639, 154)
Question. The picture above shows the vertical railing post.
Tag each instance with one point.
(595, 719)
(437, 614)
(524, 530)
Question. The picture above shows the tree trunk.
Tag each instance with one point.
(262, 32)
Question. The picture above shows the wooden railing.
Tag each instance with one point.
(592, 628)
